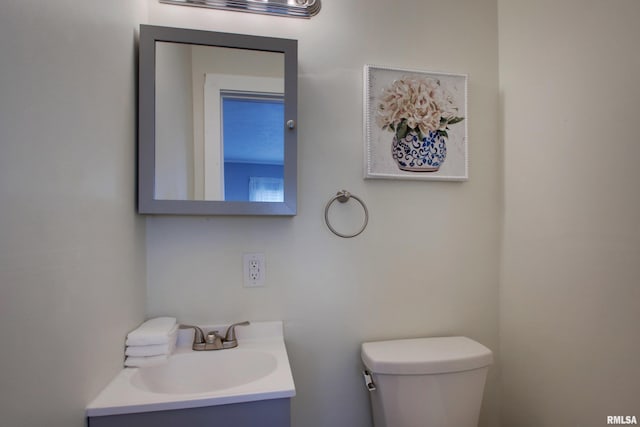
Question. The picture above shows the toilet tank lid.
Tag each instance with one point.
(435, 355)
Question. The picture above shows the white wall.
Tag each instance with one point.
(427, 263)
(570, 272)
(72, 266)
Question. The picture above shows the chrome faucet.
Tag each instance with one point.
(213, 340)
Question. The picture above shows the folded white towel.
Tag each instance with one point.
(143, 362)
(149, 350)
(154, 349)
(154, 331)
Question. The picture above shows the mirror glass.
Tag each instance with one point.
(219, 123)
(214, 134)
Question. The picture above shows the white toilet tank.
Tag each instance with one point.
(426, 382)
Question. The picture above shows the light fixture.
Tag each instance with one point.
(293, 8)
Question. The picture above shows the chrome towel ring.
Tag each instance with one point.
(343, 197)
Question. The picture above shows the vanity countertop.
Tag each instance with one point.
(183, 381)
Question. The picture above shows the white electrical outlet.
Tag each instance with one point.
(253, 269)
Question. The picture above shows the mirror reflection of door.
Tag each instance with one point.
(253, 150)
(219, 123)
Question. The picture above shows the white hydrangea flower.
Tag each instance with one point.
(420, 103)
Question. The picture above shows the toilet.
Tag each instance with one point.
(426, 382)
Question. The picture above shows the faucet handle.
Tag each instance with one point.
(198, 336)
(231, 331)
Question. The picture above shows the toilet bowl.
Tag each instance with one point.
(426, 382)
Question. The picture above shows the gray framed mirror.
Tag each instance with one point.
(217, 128)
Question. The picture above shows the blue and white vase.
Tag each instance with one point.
(413, 154)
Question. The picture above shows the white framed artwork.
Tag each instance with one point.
(415, 124)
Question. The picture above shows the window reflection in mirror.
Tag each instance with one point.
(219, 123)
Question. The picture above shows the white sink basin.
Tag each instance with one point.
(258, 369)
(202, 371)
